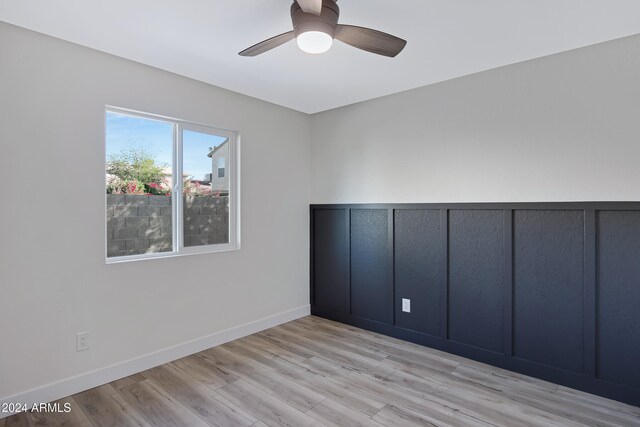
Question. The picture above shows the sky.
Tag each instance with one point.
(155, 137)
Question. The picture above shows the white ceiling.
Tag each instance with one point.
(446, 39)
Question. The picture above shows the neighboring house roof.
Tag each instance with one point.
(214, 149)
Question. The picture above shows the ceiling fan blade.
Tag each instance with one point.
(370, 40)
(311, 6)
(268, 44)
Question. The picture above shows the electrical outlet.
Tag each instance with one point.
(82, 341)
(406, 305)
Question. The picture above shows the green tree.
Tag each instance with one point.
(136, 164)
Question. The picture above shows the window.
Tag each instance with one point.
(150, 160)
(221, 167)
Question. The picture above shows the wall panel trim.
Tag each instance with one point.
(444, 236)
(590, 306)
(508, 285)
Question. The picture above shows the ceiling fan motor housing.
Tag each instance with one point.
(325, 22)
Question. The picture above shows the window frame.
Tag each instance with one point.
(232, 164)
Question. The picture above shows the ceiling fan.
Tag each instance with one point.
(315, 25)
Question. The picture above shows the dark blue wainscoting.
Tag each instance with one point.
(618, 297)
(550, 290)
(419, 270)
(371, 290)
(476, 279)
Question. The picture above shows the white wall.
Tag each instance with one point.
(560, 128)
(52, 99)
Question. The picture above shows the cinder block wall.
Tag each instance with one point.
(206, 220)
(138, 224)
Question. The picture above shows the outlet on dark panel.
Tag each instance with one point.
(619, 297)
(330, 258)
(418, 269)
(476, 278)
(370, 267)
(548, 272)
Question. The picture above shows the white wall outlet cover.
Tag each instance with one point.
(406, 305)
(82, 341)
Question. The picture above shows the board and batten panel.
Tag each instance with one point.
(370, 267)
(331, 258)
(476, 278)
(418, 269)
(618, 284)
(548, 272)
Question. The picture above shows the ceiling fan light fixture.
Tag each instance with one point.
(314, 41)
(315, 25)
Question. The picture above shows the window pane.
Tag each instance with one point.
(206, 189)
(138, 185)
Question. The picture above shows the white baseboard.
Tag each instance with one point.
(88, 380)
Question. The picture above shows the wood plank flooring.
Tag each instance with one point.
(314, 372)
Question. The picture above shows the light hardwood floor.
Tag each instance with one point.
(316, 372)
